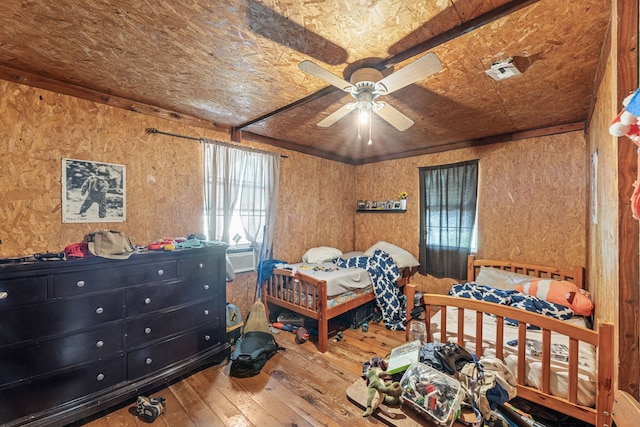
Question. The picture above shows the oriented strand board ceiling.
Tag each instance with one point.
(233, 65)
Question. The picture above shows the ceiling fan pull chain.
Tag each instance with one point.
(370, 120)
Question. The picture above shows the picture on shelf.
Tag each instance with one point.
(397, 205)
(362, 204)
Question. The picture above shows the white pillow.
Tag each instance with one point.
(501, 279)
(321, 254)
(351, 254)
(401, 257)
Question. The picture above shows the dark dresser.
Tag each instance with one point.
(80, 336)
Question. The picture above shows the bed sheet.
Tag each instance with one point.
(339, 279)
(587, 369)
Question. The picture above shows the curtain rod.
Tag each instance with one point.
(152, 131)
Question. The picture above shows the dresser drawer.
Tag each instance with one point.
(167, 323)
(104, 279)
(46, 356)
(201, 265)
(26, 323)
(23, 290)
(35, 396)
(158, 356)
(147, 299)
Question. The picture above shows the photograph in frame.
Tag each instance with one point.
(93, 191)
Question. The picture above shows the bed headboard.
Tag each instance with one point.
(575, 274)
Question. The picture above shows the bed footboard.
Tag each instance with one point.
(601, 339)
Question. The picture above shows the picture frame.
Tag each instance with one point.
(397, 204)
(362, 204)
(93, 191)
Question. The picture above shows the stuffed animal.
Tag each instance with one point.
(626, 122)
(560, 292)
(387, 392)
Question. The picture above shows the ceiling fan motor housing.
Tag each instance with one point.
(364, 76)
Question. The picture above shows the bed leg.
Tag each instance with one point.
(323, 335)
(409, 293)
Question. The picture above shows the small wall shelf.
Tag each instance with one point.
(382, 210)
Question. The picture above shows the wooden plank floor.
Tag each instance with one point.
(297, 387)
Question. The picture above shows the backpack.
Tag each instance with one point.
(251, 352)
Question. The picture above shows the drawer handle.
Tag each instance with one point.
(148, 361)
(100, 377)
(99, 310)
(200, 265)
(4, 295)
(80, 283)
(100, 343)
(160, 272)
(147, 300)
(147, 330)
(207, 337)
(206, 287)
(206, 312)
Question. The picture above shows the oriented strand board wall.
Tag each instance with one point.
(164, 180)
(316, 206)
(603, 274)
(532, 201)
(39, 128)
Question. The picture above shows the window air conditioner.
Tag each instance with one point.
(242, 259)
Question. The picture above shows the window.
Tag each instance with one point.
(241, 187)
(448, 203)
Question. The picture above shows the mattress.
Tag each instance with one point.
(339, 279)
(587, 362)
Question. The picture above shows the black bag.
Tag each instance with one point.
(251, 352)
(453, 357)
(448, 357)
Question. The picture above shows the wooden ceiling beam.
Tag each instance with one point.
(466, 27)
(30, 79)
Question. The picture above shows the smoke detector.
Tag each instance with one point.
(504, 69)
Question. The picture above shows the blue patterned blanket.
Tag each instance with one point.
(511, 298)
(384, 275)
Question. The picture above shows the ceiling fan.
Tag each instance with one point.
(367, 85)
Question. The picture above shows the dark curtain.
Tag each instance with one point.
(448, 195)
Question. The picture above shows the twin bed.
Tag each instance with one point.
(560, 364)
(320, 289)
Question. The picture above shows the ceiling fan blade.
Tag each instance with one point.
(336, 115)
(417, 70)
(394, 117)
(316, 70)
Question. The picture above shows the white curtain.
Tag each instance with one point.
(244, 182)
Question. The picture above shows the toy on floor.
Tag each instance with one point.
(381, 391)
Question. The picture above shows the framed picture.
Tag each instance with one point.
(397, 204)
(389, 204)
(93, 191)
(362, 204)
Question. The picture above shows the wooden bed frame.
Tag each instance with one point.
(281, 284)
(602, 338)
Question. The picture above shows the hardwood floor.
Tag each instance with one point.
(297, 387)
